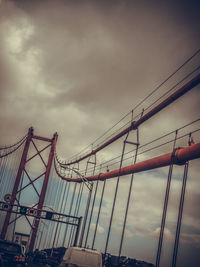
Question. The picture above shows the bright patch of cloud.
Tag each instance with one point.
(100, 229)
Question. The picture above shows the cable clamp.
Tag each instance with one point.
(174, 157)
(131, 143)
(133, 127)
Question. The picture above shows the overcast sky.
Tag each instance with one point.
(69, 65)
(76, 67)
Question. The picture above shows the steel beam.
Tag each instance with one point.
(42, 138)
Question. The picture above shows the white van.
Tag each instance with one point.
(81, 257)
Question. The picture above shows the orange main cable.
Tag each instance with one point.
(170, 99)
(179, 157)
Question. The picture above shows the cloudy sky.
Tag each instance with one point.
(76, 67)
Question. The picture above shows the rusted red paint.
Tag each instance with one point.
(17, 181)
(43, 192)
(42, 138)
(180, 156)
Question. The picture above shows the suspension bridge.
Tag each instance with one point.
(89, 202)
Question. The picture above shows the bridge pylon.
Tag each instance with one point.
(21, 170)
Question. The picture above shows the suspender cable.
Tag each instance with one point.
(70, 210)
(129, 196)
(86, 215)
(58, 210)
(170, 99)
(165, 208)
(61, 210)
(143, 100)
(91, 213)
(151, 142)
(19, 195)
(78, 207)
(2, 187)
(60, 197)
(79, 200)
(178, 227)
(47, 203)
(115, 195)
(56, 203)
(180, 156)
(55, 206)
(70, 241)
(99, 211)
(64, 206)
(90, 187)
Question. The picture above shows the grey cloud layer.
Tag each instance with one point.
(83, 58)
(76, 66)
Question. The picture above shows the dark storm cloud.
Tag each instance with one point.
(95, 57)
(82, 64)
(90, 61)
(92, 51)
(89, 49)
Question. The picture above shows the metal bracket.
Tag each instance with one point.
(131, 143)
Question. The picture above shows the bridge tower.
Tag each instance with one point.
(41, 195)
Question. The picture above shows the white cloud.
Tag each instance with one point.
(167, 234)
(100, 229)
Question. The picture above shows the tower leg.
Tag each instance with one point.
(42, 194)
(17, 181)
